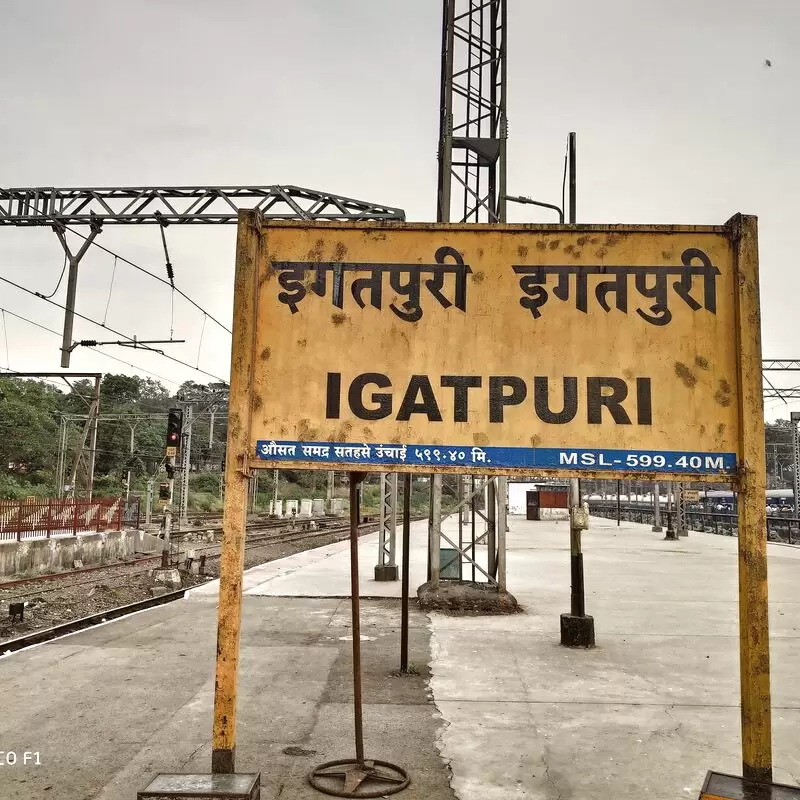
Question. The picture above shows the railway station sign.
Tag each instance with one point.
(563, 350)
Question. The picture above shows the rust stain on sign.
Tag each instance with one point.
(685, 374)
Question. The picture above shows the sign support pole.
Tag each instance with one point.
(752, 540)
(229, 615)
(357, 777)
(577, 628)
(406, 572)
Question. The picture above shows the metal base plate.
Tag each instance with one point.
(242, 786)
(719, 786)
(353, 778)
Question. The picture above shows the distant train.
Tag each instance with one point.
(778, 500)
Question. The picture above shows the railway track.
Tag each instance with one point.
(58, 576)
(57, 631)
(290, 537)
(210, 551)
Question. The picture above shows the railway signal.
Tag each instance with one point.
(174, 429)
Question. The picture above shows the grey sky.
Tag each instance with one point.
(678, 121)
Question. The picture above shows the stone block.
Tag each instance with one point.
(169, 578)
(577, 631)
(220, 786)
(386, 572)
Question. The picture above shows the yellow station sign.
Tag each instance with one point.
(574, 349)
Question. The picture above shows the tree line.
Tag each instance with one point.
(31, 414)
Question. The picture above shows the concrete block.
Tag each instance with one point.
(336, 506)
(169, 578)
(318, 507)
(305, 508)
(577, 631)
(291, 507)
(158, 591)
(466, 597)
(386, 572)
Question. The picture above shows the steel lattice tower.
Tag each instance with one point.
(473, 126)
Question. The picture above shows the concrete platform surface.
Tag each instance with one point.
(110, 707)
(325, 571)
(646, 713)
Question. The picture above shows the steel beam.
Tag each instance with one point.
(780, 365)
(179, 205)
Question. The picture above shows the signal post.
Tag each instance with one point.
(167, 491)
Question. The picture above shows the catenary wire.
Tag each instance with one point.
(60, 278)
(136, 266)
(5, 336)
(98, 352)
(118, 333)
(110, 290)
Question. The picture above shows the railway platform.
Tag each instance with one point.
(498, 709)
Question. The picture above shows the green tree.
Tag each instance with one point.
(28, 430)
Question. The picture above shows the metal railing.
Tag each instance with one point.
(22, 520)
(779, 528)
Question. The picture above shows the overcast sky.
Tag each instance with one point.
(679, 120)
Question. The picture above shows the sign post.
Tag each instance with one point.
(753, 603)
(582, 350)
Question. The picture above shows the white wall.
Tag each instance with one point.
(516, 496)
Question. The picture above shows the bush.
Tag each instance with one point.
(203, 501)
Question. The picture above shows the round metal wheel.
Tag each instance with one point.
(352, 778)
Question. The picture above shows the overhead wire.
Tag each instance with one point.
(60, 278)
(55, 383)
(110, 289)
(170, 282)
(98, 352)
(138, 267)
(5, 336)
(118, 333)
(202, 330)
(772, 386)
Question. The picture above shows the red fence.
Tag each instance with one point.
(43, 519)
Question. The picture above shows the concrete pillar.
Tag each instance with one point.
(656, 509)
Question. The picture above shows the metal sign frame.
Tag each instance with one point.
(632, 422)
(749, 480)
